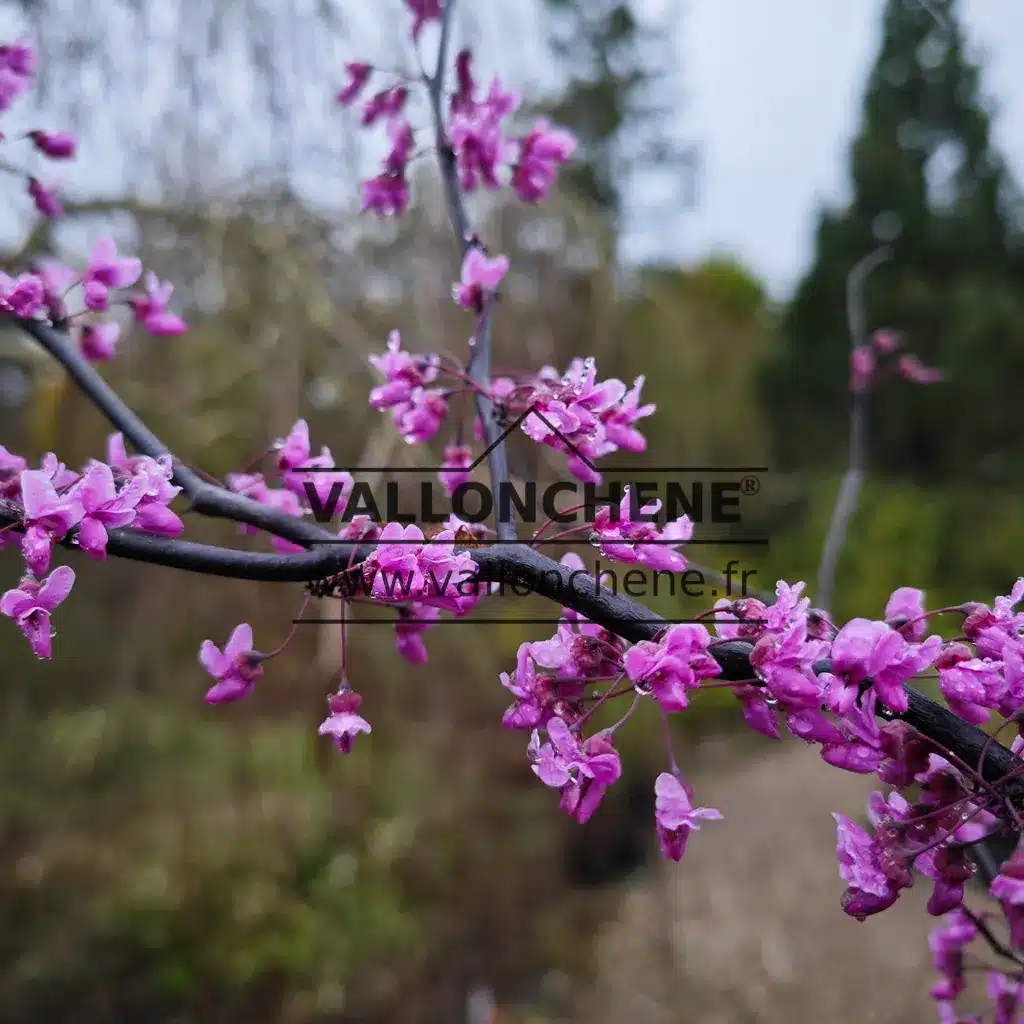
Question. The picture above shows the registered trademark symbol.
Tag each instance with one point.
(750, 485)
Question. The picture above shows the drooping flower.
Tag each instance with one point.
(458, 458)
(48, 517)
(343, 724)
(676, 817)
(870, 890)
(99, 341)
(235, 669)
(31, 603)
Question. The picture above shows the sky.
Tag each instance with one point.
(771, 94)
(773, 97)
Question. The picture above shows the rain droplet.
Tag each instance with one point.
(771, 701)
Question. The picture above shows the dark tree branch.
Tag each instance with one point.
(508, 563)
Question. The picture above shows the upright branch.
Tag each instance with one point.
(849, 491)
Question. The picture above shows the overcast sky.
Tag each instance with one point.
(774, 90)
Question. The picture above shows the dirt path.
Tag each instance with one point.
(749, 927)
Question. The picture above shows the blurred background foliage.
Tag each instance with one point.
(162, 861)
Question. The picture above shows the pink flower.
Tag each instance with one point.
(104, 507)
(45, 199)
(236, 669)
(480, 279)
(476, 136)
(457, 460)
(23, 296)
(388, 103)
(56, 145)
(874, 650)
(17, 68)
(990, 629)
(675, 815)
(672, 666)
(98, 342)
(151, 308)
(413, 621)
(862, 369)
(48, 517)
(948, 943)
(629, 541)
(387, 195)
(785, 661)
(869, 890)
(107, 270)
(582, 772)
(419, 419)
(403, 374)
(905, 605)
(539, 156)
(358, 75)
(424, 11)
(31, 603)
(619, 419)
(343, 724)
(886, 341)
(911, 368)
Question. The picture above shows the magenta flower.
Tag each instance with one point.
(107, 270)
(670, 667)
(403, 374)
(476, 135)
(413, 621)
(236, 668)
(23, 296)
(358, 76)
(105, 507)
(866, 650)
(343, 724)
(151, 311)
(388, 103)
(642, 541)
(619, 419)
(911, 368)
(675, 815)
(98, 342)
(990, 629)
(480, 279)
(785, 661)
(533, 695)
(540, 153)
(387, 195)
(31, 603)
(419, 419)
(48, 517)
(904, 612)
(17, 69)
(456, 463)
(45, 199)
(947, 943)
(862, 369)
(869, 890)
(55, 145)
(886, 341)
(582, 772)
(424, 11)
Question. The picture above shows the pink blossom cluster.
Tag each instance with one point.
(43, 294)
(58, 505)
(870, 364)
(17, 71)
(477, 131)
